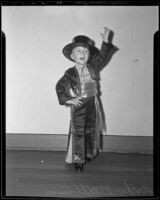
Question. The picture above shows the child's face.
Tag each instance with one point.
(80, 55)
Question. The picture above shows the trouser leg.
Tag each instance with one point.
(84, 121)
(78, 119)
(90, 125)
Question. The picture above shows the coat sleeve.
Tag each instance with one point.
(100, 60)
(62, 90)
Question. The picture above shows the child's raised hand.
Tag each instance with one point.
(105, 34)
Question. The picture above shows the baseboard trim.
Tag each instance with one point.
(58, 142)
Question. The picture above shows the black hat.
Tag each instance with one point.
(80, 40)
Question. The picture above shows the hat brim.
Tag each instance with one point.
(67, 50)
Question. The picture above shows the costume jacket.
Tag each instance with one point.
(71, 81)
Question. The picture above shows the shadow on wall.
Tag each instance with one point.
(111, 53)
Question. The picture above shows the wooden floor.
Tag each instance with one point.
(44, 174)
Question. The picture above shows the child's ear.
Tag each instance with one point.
(72, 56)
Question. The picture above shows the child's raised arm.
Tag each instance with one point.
(99, 60)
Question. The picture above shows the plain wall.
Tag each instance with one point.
(35, 36)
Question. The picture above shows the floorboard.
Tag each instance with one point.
(45, 174)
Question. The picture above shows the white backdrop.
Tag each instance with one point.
(35, 37)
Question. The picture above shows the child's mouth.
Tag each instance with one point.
(82, 58)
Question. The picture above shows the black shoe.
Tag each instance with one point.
(81, 167)
(78, 166)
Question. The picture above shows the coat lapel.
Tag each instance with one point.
(73, 75)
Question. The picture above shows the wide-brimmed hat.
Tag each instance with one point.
(80, 40)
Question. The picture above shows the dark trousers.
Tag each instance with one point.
(84, 121)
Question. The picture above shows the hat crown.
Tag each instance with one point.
(83, 39)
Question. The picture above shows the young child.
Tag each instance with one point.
(78, 89)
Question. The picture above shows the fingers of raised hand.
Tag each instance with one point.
(106, 29)
(105, 33)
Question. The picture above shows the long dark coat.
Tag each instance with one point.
(70, 81)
